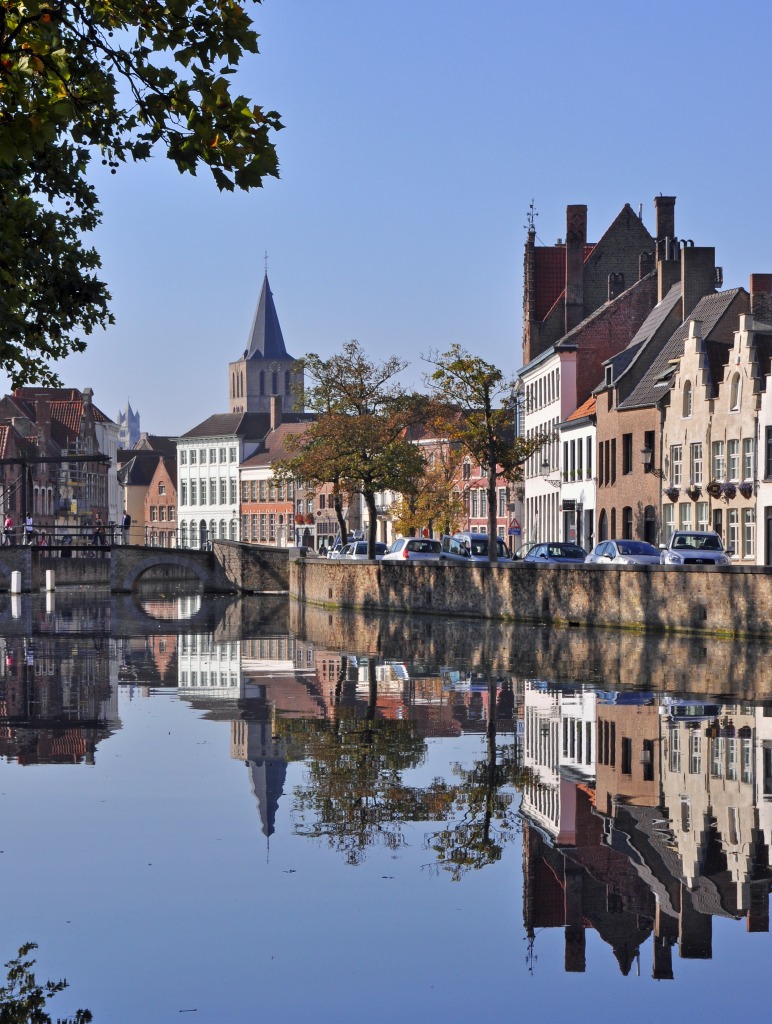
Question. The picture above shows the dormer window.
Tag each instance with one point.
(609, 376)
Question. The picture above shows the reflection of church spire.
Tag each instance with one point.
(267, 778)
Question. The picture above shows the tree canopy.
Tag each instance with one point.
(358, 441)
(481, 419)
(115, 80)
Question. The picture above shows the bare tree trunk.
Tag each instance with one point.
(372, 526)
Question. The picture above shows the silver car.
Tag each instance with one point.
(472, 547)
(624, 552)
(694, 547)
(358, 551)
(413, 549)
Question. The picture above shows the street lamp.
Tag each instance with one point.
(646, 457)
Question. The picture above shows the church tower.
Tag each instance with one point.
(266, 369)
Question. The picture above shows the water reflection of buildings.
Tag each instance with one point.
(649, 820)
(56, 699)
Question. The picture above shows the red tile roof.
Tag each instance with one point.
(585, 409)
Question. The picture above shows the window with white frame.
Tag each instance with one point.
(749, 451)
(695, 752)
(193, 492)
(202, 455)
(733, 459)
(685, 515)
(184, 492)
(696, 462)
(668, 522)
(192, 456)
(475, 504)
(233, 491)
(719, 460)
(202, 492)
(502, 502)
(676, 465)
(183, 457)
(749, 532)
(733, 530)
(484, 504)
(703, 515)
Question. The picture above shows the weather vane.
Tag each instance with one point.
(531, 216)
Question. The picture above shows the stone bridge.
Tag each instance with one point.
(229, 568)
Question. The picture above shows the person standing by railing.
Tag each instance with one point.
(8, 531)
(29, 530)
(126, 525)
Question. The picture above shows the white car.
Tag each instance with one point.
(413, 549)
(358, 551)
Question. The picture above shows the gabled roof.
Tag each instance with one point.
(274, 445)
(644, 335)
(139, 469)
(655, 382)
(159, 443)
(265, 337)
(250, 426)
(569, 340)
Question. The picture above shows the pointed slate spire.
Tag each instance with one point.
(265, 338)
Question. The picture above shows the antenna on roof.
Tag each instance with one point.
(531, 217)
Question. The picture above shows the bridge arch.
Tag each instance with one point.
(129, 564)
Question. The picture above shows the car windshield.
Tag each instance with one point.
(636, 547)
(704, 541)
(425, 546)
(566, 551)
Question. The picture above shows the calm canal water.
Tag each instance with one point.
(226, 811)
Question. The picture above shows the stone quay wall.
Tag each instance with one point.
(254, 568)
(732, 601)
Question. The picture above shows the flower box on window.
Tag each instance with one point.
(746, 488)
(694, 491)
(729, 490)
(672, 493)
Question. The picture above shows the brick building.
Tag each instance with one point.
(160, 505)
(583, 304)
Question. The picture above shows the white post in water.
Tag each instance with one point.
(50, 581)
(50, 602)
(15, 606)
(16, 582)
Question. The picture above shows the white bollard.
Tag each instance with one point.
(50, 580)
(16, 582)
(50, 602)
(15, 606)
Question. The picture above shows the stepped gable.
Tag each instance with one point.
(652, 386)
(265, 338)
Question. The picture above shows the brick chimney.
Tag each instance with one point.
(275, 411)
(576, 238)
(668, 264)
(698, 275)
(761, 296)
(664, 207)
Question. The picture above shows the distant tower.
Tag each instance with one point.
(266, 368)
(128, 427)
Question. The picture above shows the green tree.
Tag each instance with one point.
(358, 440)
(115, 80)
(23, 999)
(481, 401)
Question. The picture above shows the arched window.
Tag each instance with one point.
(687, 406)
(650, 525)
(627, 523)
(466, 472)
(734, 393)
(262, 382)
(223, 530)
(234, 529)
(603, 526)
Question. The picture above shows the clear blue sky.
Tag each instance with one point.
(417, 132)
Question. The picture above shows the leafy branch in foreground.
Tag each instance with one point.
(23, 999)
(113, 79)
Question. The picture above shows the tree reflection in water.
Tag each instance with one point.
(354, 796)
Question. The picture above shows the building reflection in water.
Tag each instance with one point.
(652, 828)
(644, 815)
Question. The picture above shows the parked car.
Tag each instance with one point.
(358, 551)
(472, 547)
(413, 549)
(557, 553)
(523, 550)
(623, 552)
(694, 547)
